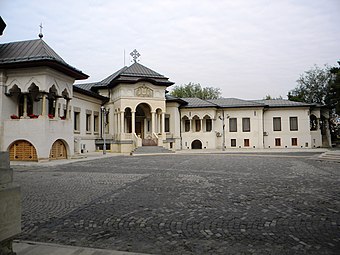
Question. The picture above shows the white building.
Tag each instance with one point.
(43, 115)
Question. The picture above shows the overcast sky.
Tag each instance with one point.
(248, 48)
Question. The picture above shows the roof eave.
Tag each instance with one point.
(74, 73)
(91, 94)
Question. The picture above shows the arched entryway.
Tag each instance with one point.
(58, 150)
(196, 144)
(143, 120)
(22, 150)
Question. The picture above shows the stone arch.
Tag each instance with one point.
(22, 150)
(207, 123)
(196, 144)
(313, 122)
(196, 123)
(128, 120)
(186, 124)
(14, 90)
(59, 150)
(29, 84)
(65, 94)
(13, 83)
(143, 120)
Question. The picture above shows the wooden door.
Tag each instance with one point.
(22, 151)
(58, 150)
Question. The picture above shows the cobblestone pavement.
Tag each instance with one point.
(186, 204)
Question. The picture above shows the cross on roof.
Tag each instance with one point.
(135, 54)
(41, 34)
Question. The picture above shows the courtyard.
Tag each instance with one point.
(186, 204)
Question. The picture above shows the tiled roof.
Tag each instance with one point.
(240, 103)
(170, 98)
(282, 103)
(139, 70)
(234, 103)
(133, 74)
(197, 103)
(86, 89)
(34, 52)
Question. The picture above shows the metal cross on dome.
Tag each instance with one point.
(135, 54)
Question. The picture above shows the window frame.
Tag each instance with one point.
(245, 127)
(231, 122)
(291, 126)
(275, 128)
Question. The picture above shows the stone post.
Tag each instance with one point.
(10, 206)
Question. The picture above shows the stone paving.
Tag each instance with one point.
(186, 204)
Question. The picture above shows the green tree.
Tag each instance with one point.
(313, 86)
(196, 90)
(268, 97)
(334, 89)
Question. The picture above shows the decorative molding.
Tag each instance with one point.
(143, 91)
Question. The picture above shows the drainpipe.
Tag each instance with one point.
(180, 128)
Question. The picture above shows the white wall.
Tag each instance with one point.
(303, 134)
(85, 140)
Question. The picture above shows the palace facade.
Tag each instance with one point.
(45, 116)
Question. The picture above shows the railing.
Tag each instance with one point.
(157, 139)
(137, 141)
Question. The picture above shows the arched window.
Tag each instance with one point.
(207, 122)
(186, 124)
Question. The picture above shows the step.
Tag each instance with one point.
(330, 156)
(150, 150)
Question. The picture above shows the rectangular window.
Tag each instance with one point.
(277, 141)
(187, 125)
(246, 124)
(96, 123)
(167, 124)
(294, 142)
(88, 122)
(246, 143)
(277, 123)
(208, 125)
(293, 122)
(76, 121)
(233, 142)
(233, 125)
(197, 125)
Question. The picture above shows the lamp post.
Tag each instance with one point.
(103, 127)
(223, 130)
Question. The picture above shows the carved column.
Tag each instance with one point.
(133, 122)
(153, 120)
(56, 107)
(122, 122)
(163, 123)
(67, 106)
(201, 123)
(25, 106)
(43, 111)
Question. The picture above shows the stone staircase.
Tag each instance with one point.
(333, 156)
(150, 150)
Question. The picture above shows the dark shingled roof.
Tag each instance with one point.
(132, 74)
(282, 103)
(84, 89)
(197, 103)
(235, 103)
(35, 53)
(170, 98)
(240, 103)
